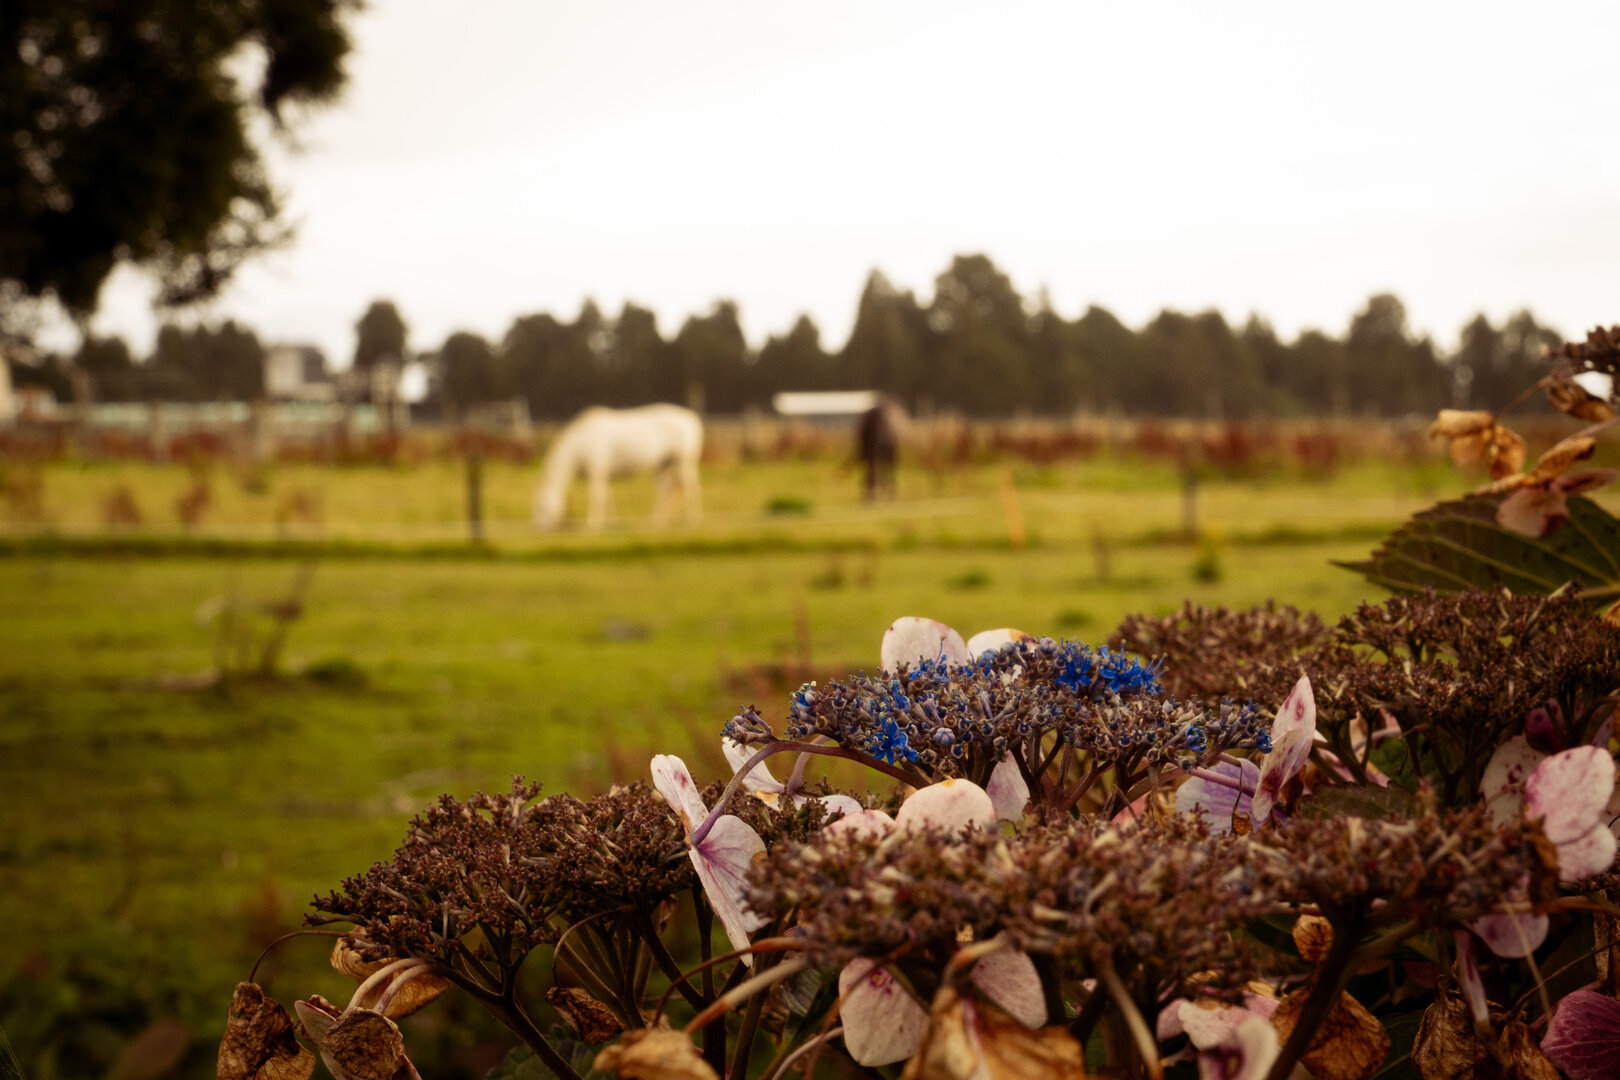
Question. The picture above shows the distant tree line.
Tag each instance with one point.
(977, 347)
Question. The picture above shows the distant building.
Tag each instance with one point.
(297, 373)
(828, 403)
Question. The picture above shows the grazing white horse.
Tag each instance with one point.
(604, 443)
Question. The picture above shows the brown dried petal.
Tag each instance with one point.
(1350, 1044)
(1458, 423)
(1505, 456)
(593, 1021)
(1533, 511)
(259, 1042)
(655, 1054)
(967, 1040)
(413, 994)
(1523, 1059)
(1445, 1047)
(364, 1044)
(346, 960)
(1313, 937)
(1560, 457)
(1572, 398)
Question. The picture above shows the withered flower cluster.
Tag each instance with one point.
(1457, 672)
(1599, 352)
(1073, 890)
(508, 867)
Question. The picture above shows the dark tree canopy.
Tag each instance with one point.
(379, 335)
(124, 135)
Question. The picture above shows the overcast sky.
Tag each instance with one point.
(1289, 159)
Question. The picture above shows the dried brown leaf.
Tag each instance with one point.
(412, 994)
(1505, 455)
(1518, 1057)
(1445, 1047)
(969, 1040)
(1560, 457)
(1350, 1044)
(1313, 937)
(593, 1021)
(366, 1045)
(655, 1054)
(259, 1042)
(1459, 423)
(1572, 398)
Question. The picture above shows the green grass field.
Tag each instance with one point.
(153, 835)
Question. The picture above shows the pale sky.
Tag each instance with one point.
(1289, 158)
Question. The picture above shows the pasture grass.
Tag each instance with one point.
(180, 827)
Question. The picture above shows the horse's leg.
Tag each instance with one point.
(597, 504)
(691, 493)
(664, 502)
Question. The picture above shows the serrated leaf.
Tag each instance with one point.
(1367, 801)
(1458, 545)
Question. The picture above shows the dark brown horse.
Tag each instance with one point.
(877, 441)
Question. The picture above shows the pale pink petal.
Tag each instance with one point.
(1502, 786)
(985, 640)
(911, 638)
(1584, 1037)
(1209, 1023)
(1009, 979)
(1008, 791)
(1569, 792)
(674, 782)
(1247, 1055)
(1473, 987)
(1168, 1025)
(1532, 511)
(759, 781)
(1215, 801)
(863, 823)
(722, 863)
(1581, 481)
(1512, 936)
(1133, 810)
(951, 806)
(1297, 712)
(833, 804)
(883, 1023)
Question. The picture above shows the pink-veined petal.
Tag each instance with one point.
(911, 638)
(759, 781)
(1007, 790)
(1247, 1055)
(951, 806)
(883, 1023)
(722, 863)
(985, 640)
(1502, 786)
(1215, 801)
(1584, 1036)
(864, 823)
(1009, 979)
(674, 782)
(1291, 736)
(1512, 936)
(1532, 511)
(1570, 793)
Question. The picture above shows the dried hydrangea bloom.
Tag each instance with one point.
(1212, 653)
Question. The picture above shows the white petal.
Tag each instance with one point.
(866, 823)
(834, 804)
(1216, 801)
(1512, 936)
(883, 1023)
(1008, 791)
(1247, 1055)
(759, 778)
(951, 806)
(985, 640)
(1473, 987)
(911, 638)
(1510, 767)
(1009, 979)
(722, 863)
(674, 782)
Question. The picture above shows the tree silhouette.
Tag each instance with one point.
(379, 336)
(125, 136)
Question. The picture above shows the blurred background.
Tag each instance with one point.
(1153, 303)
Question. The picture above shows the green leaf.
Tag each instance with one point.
(1458, 545)
(1367, 801)
(520, 1062)
(10, 1069)
(1402, 1030)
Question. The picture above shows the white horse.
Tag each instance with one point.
(604, 443)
